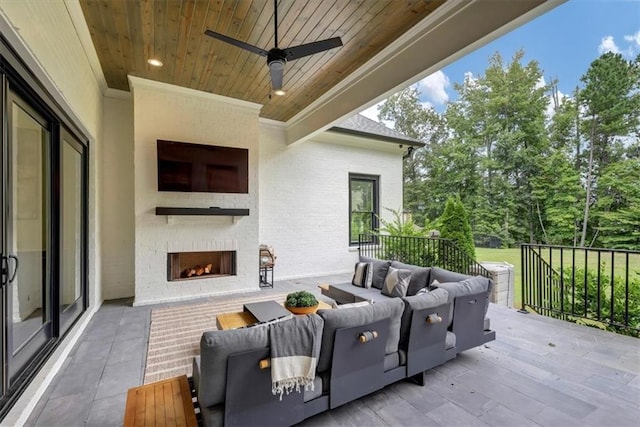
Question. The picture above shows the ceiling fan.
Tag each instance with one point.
(276, 57)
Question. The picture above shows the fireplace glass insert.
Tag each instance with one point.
(200, 265)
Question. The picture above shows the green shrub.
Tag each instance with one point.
(454, 225)
(577, 300)
(398, 249)
(301, 299)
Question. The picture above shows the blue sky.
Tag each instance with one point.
(564, 41)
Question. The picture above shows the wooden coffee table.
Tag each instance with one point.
(240, 319)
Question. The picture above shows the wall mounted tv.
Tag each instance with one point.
(202, 168)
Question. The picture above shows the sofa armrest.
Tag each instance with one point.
(357, 367)
(427, 339)
(249, 399)
(468, 320)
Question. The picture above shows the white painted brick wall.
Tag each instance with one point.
(164, 111)
(48, 33)
(117, 195)
(304, 198)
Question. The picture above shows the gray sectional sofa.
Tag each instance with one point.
(413, 333)
(469, 296)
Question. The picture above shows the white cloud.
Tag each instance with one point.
(434, 87)
(633, 38)
(608, 44)
(540, 83)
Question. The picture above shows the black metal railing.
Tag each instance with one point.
(421, 251)
(600, 287)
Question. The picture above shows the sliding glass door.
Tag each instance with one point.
(43, 228)
(72, 230)
(28, 233)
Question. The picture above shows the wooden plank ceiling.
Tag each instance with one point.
(126, 33)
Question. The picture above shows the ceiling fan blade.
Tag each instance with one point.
(238, 43)
(276, 69)
(303, 50)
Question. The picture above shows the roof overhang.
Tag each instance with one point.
(459, 27)
(371, 136)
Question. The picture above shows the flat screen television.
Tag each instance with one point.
(202, 168)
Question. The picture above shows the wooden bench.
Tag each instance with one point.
(163, 403)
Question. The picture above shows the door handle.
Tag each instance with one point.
(15, 270)
(7, 275)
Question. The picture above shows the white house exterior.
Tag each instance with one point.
(298, 192)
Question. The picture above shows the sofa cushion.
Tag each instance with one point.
(215, 348)
(353, 304)
(396, 282)
(317, 389)
(380, 268)
(335, 319)
(469, 286)
(419, 276)
(347, 293)
(450, 340)
(363, 274)
(442, 276)
(391, 361)
(372, 295)
(418, 302)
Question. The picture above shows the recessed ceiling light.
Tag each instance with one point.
(154, 62)
(279, 92)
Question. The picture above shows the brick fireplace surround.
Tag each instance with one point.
(163, 111)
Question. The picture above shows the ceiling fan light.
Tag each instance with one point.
(279, 92)
(277, 64)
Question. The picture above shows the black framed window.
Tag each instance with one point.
(363, 205)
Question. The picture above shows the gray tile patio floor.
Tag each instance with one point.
(539, 371)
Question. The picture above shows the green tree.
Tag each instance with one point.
(498, 129)
(423, 196)
(558, 190)
(454, 225)
(611, 103)
(617, 210)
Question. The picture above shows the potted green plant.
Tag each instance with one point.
(301, 302)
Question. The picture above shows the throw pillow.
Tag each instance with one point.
(396, 282)
(419, 276)
(423, 291)
(380, 268)
(363, 275)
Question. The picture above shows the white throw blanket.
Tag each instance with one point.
(295, 348)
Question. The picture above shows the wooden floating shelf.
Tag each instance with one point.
(202, 211)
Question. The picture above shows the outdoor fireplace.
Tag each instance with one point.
(200, 265)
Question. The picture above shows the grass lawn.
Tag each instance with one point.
(512, 256)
